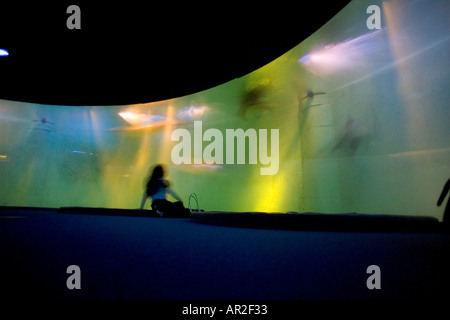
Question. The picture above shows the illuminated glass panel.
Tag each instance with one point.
(362, 118)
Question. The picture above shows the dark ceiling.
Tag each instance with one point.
(126, 52)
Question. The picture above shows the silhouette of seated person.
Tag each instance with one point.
(157, 187)
(444, 192)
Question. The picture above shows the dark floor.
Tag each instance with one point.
(130, 257)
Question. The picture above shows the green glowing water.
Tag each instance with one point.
(372, 137)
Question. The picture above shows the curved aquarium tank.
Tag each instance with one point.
(353, 119)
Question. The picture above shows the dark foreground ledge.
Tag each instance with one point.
(109, 211)
(354, 222)
(321, 221)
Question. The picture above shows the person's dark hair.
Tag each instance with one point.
(155, 182)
